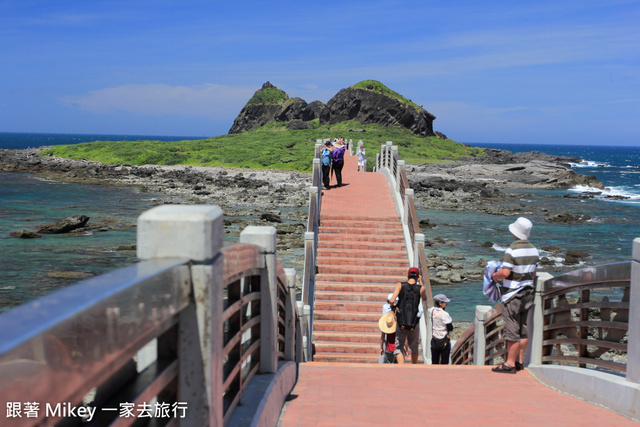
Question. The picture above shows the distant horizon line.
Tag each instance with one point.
(194, 137)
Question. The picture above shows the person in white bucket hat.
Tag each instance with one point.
(518, 274)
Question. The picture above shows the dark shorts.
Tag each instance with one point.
(515, 314)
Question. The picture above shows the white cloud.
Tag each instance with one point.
(206, 100)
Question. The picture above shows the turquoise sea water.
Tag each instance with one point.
(27, 266)
(607, 237)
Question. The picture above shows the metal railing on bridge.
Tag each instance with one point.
(193, 334)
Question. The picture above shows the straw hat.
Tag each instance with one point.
(387, 322)
(521, 228)
(338, 144)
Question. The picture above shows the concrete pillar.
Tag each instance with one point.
(479, 337)
(533, 355)
(194, 232)
(387, 154)
(265, 239)
(633, 346)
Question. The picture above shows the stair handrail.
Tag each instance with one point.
(306, 305)
(389, 163)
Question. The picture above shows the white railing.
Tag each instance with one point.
(389, 164)
(191, 334)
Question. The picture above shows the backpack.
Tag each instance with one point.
(490, 288)
(407, 313)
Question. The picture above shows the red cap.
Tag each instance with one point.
(413, 271)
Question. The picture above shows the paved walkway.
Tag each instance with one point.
(361, 256)
(375, 395)
(362, 194)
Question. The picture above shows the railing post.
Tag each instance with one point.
(479, 337)
(194, 232)
(418, 246)
(315, 194)
(387, 154)
(401, 164)
(290, 316)
(533, 355)
(309, 291)
(633, 346)
(265, 239)
(405, 211)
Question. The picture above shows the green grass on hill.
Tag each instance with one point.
(269, 147)
(271, 95)
(378, 87)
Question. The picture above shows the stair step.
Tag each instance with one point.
(391, 279)
(362, 270)
(376, 230)
(364, 218)
(347, 295)
(348, 306)
(346, 358)
(369, 238)
(347, 244)
(351, 337)
(354, 260)
(341, 326)
(325, 252)
(347, 316)
(350, 348)
(336, 286)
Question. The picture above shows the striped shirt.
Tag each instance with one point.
(522, 259)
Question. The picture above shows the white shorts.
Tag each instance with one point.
(361, 163)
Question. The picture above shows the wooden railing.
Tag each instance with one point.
(584, 321)
(586, 315)
(180, 338)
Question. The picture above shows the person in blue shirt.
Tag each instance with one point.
(361, 159)
(326, 151)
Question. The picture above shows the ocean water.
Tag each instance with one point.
(607, 237)
(30, 268)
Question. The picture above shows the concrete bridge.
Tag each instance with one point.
(200, 334)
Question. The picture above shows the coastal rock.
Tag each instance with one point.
(270, 104)
(577, 254)
(368, 106)
(25, 234)
(567, 218)
(65, 226)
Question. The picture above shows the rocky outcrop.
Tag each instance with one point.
(270, 104)
(65, 226)
(367, 106)
(366, 102)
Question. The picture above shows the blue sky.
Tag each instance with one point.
(562, 72)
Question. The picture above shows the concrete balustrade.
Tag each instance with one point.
(167, 312)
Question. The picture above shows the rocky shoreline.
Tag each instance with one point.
(280, 198)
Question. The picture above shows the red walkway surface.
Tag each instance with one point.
(361, 256)
(377, 395)
(362, 194)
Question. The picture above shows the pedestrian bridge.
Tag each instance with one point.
(201, 334)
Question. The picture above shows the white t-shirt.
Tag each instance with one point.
(439, 319)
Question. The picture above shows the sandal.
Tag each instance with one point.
(505, 369)
(519, 366)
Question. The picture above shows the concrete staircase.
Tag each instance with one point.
(360, 260)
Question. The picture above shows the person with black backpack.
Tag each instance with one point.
(409, 294)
